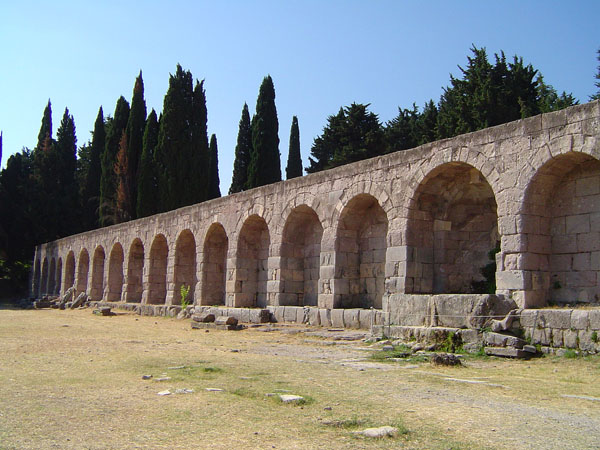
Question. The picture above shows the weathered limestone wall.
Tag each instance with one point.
(420, 221)
(555, 328)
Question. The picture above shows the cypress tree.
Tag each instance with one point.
(294, 163)
(265, 164)
(108, 182)
(65, 196)
(45, 134)
(147, 182)
(173, 151)
(243, 150)
(596, 96)
(213, 169)
(198, 173)
(123, 200)
(91, 183)
(135, 133)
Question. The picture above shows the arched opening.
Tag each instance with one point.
(36, 278)
(157, 272)
(300, 258)
(83, 267)
(115, 274)
(214, 263)
(360, 247)
(135, 272)
(251, 263)
(52, 277)
(44, 280)
(561, 222)
(58, 277)
(70, 271)
(97, 287)
(452, 233)
(185, 266)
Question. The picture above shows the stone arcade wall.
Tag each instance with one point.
(421, 221)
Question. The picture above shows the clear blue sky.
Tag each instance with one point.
(321, 55)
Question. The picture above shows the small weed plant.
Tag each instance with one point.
(184, 291)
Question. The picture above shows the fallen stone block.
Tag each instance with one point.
(80, 300)
(504, 324)
(226, 320)
(203, 325)
(290, 398)
(506, 352)
(203, 317)
(502, 340)
(378, 433)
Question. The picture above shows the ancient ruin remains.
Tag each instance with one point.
(371, 234)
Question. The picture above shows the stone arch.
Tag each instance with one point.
(185, 266)
(300, 258)
(375, 190)
(44, 279)
(452, 230)
(70, 271)
(559, 225)
(97, 285)
(83, 267)
(114, 285)
(214, 265)
(36, 278)
(157, 271)
(57, 286)
(135, 272)
(360, 253)
(52, 277)
(252, 263)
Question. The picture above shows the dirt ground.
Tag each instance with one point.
(73, 380)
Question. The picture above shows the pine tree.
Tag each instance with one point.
(0, 148)
(135, 132)
(294, 163)
(198, 174)
(243, 150)
(265, 163)
(324, 145)
(596, 96)
(108, 182)
(147, 182)
(353, 134)
(549, 100)
(90, 192)
(213, 169)
(402, 132)
(174, 149)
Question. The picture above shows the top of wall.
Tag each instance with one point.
(531, 126)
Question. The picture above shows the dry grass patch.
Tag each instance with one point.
(74, 380)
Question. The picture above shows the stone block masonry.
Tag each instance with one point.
(416, 222)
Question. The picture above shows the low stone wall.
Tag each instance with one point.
(577, 329)
(337, 318)
(473, 311)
